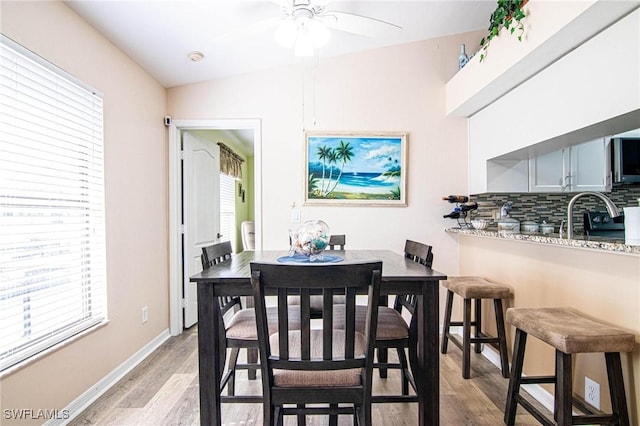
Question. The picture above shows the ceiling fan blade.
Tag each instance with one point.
(358, 24)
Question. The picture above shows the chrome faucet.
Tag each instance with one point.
(611, 209)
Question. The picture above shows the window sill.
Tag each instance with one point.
(37, 357)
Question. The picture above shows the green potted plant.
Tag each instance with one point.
(508, 14)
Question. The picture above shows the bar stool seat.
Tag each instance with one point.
(475, 288)
(569, 333)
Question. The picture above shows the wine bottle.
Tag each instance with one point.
(472, 205)
(456, 198)
(453, 215)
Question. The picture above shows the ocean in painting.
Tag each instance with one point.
(371, 183)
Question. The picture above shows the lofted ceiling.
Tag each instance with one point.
(236, 36)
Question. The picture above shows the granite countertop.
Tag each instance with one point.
(580, 241)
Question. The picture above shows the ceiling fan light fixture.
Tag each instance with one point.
(302, 31)
(286, 33)
(319, 33)
(304, 43)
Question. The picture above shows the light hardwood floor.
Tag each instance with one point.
(163, 390)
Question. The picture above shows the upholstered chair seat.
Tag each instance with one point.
(243, 323)
(323, 378)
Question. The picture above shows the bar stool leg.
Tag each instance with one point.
(478, 323)
(504, 356)
(514, 381)
(616, 388)
(556, 401)
(564, 395)
(466, 339)
(447, 322)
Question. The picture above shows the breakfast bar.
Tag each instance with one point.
(596, 278)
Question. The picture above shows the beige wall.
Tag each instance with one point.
(601, 285)
(136, 205)
(390, 89)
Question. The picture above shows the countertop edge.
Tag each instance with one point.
(608, 247)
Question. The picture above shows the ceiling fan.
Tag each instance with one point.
(306, 25)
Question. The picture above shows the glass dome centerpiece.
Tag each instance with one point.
(310, 239)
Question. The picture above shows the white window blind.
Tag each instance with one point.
(52, 242)
(227, 206)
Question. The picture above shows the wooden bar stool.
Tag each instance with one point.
(475, 288)
(569, 333)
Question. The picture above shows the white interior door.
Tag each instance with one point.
(201, 212)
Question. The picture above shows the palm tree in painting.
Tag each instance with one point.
(323, 154)
(332, 157)
(344, 153)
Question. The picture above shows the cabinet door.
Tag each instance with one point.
(589, 169)
(548, 172)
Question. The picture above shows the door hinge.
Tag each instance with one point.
(183, 303)
(182, 155)
(182, 228)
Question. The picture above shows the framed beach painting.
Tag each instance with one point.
(348, 168)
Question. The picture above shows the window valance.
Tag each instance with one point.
(230, 162)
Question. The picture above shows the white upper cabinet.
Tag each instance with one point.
(583, 167)
(589, 167)
(549, 172)
(590, 92)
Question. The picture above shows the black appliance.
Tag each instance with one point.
(625, 160)
(600, 224)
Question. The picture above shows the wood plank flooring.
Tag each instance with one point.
(163, 390)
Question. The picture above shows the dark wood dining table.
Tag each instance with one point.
(399, 276)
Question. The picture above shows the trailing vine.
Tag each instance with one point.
(508, 14)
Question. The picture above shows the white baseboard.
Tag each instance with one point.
(77, 406)
(536, 391)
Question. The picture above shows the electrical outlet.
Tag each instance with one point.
(592, 392)
(145, 314)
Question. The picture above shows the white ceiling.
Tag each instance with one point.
(235, 38)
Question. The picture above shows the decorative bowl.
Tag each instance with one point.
(507, 225)
(311, 239)
(529, 227)
(546, 228)
(479, 224)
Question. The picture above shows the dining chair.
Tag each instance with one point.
(393, 330)
(240, 324)
(316, 370)
(336, 242)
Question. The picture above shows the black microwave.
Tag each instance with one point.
(625, 160)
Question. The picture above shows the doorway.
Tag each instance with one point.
(176, 230)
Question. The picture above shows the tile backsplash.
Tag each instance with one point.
(551, 207)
